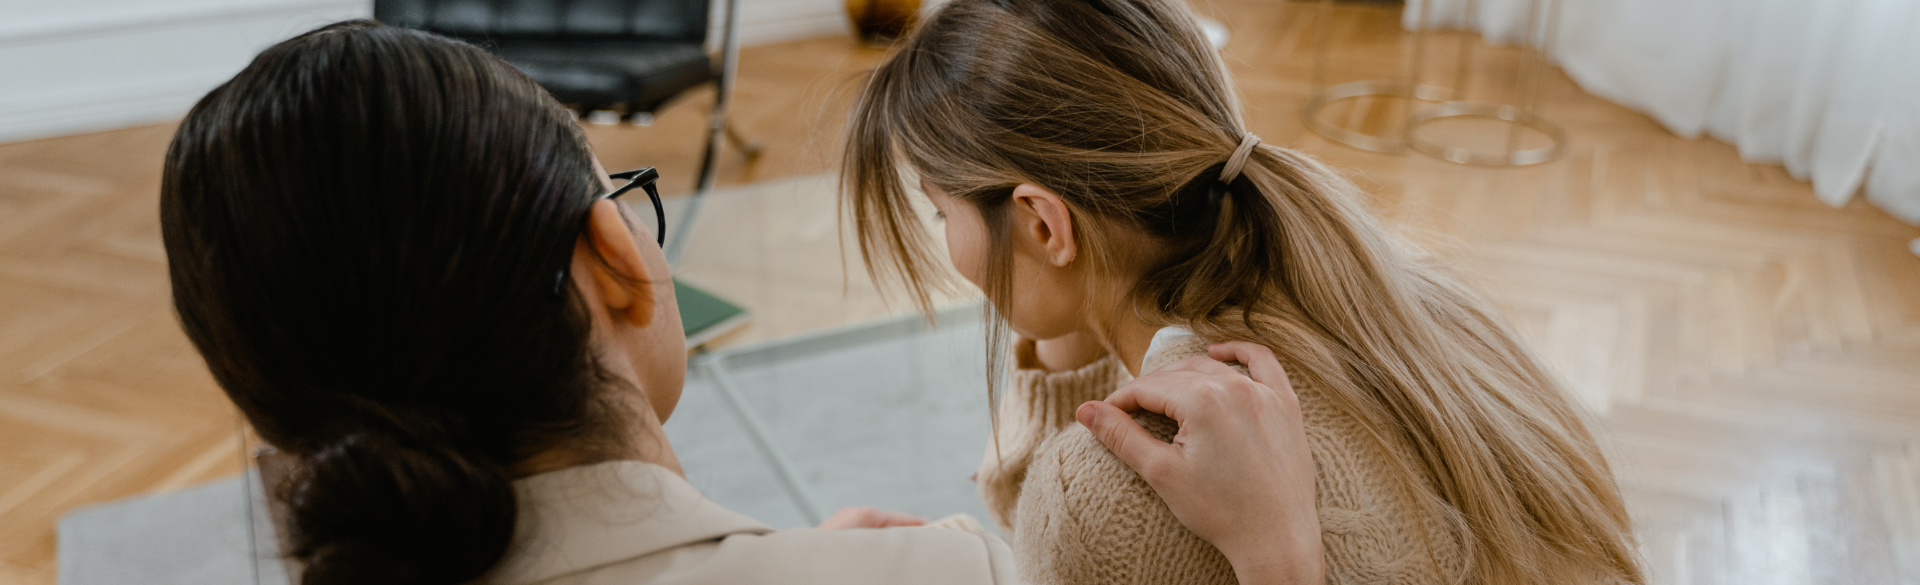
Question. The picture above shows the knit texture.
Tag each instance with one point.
(1077, 514)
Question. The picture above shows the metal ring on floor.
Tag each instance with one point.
(1358, 89)
(1509, 114)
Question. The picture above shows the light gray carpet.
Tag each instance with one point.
(888, 415)
(891, 414)
(190, 537)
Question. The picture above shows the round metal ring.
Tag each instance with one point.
(1359, 89)
(1504, 113)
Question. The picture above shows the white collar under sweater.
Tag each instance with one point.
(1164, 339)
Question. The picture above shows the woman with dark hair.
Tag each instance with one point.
(401, 261)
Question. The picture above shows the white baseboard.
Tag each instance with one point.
(109, 64)
(764, 22)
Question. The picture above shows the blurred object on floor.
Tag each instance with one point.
(1497, 129)
(705, 317)
(879, 22)
(1217, 33)
(1829, 89)
(1368, 113)
(1496, 122)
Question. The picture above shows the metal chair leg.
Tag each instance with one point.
(717, 130)
(749, 148)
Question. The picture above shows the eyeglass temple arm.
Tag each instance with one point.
(646, 178)
(659, 214)
(646, 175)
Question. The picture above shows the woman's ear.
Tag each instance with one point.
(623, 279)
(1041, 216)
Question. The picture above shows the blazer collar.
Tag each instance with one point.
(585, 517)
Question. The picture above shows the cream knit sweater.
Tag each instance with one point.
(1077, 515)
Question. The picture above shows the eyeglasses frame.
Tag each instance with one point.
(643, 178)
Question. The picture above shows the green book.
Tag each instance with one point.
(705, 316)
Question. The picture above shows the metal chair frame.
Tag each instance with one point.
(717, 130)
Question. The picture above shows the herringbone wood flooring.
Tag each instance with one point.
(1752, 355)
(1751, 352)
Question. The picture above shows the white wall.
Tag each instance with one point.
(773, 21)
(74, 66)
(70, 66)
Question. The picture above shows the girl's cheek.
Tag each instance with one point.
(961, 255)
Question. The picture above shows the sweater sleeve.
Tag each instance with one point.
(1085, 518)
(1036, 405)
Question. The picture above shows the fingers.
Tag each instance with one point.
(1125, 438)
(890, 519)
(1198, 364)
(1260, 363)
(1169, 391)
(1142, 395)
(848, 517)
(1199, 384)
(869, 517)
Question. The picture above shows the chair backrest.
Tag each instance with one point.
(666, 20)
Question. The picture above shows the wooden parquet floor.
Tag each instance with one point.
(1752, 355)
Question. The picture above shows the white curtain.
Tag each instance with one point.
(1828, 88)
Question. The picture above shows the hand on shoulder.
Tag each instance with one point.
(1238, 473)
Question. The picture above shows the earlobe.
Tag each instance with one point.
(623, 279)
(1054, 230)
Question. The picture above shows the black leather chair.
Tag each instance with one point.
(624, 56)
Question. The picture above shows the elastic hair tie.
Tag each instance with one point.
(1192, 208)
(1239, 159)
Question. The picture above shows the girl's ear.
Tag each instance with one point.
(1042, 217)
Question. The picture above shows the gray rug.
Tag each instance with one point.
(194, 536)
(890, 414)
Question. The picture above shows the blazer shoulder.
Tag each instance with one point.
(805, 556)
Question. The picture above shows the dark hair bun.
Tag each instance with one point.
(373, 509)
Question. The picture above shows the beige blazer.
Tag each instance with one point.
(624, 522)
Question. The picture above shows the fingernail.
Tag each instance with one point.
(1084, 414)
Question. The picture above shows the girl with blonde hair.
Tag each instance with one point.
(1097, 182)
